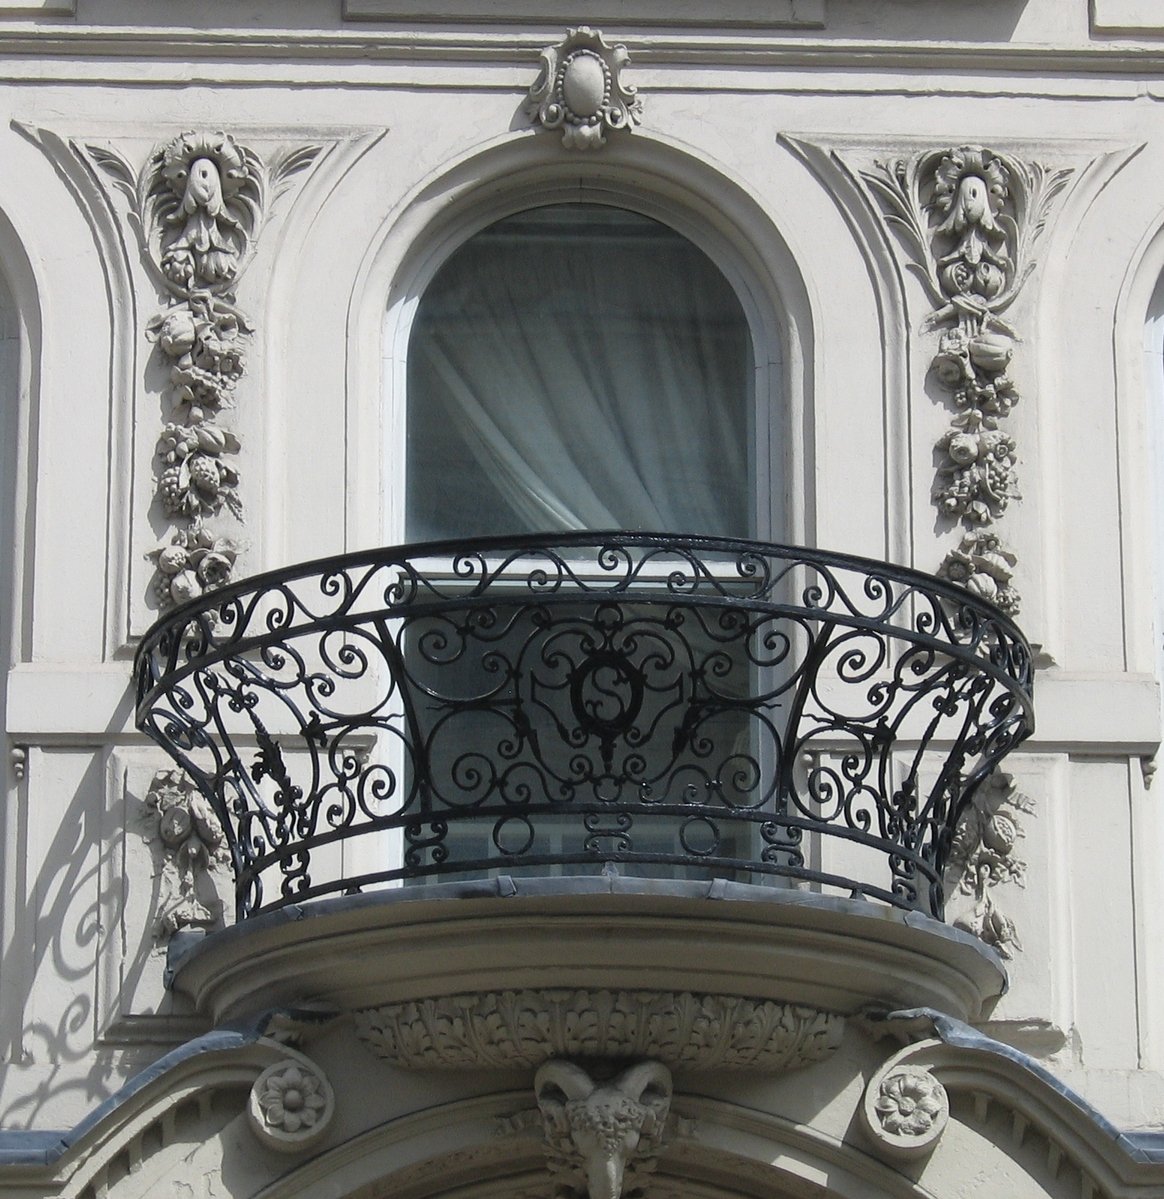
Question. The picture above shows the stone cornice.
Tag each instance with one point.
(87, 44)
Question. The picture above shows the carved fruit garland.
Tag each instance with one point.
(970, 217)
(193, 847)
(198, 207)
(984, 856)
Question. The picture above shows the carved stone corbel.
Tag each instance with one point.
(597, 1133)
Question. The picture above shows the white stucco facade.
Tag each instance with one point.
(386, 134)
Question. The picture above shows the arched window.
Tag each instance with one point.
(580, 366)
(577, 366)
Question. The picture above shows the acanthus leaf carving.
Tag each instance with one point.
(198, 207)
(193, 846)
(580, 90)
(970, 218)
(525, 1028)
(600, 1134)
(984, 856)
(204, 203)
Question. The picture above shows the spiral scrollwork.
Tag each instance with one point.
(680, 705)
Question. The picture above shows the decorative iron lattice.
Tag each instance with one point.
(687, 706)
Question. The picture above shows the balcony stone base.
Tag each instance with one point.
(453, 945)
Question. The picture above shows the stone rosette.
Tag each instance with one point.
(291, 1106)
(526, 1028)
(905, 1110)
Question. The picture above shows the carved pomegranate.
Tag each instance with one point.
(584, 84)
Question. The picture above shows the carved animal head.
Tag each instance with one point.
(602, 1125)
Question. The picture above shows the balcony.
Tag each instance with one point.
(564, 748)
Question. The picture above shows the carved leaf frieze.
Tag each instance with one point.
(525, 1028)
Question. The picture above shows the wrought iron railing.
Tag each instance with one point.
(553, 704)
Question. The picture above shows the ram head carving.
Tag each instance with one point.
(595, 1130)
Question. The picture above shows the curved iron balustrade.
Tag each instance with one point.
(683, 704)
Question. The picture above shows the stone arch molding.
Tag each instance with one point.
(21, 297)
(1139, 384)
(258, 1118)
(699, 198)
(493, 1148)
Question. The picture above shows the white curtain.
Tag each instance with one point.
(579, 367)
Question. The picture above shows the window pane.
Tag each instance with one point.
(579, 366)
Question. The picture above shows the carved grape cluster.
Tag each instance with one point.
(980, 478)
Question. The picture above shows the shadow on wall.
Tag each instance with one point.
(55, 960)
(84, 949)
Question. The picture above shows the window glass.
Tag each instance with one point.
(579, 367)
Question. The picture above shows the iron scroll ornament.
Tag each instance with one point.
(687, 705)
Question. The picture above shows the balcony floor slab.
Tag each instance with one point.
(595, 932)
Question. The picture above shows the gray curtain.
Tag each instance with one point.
(579, 367)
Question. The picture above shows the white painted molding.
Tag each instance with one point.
(760, 14)
(39, 8)
(75, 703)
(98, 53)
(1127, 16)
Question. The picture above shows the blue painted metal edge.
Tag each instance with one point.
(41, 1148)
(1144, 1147)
